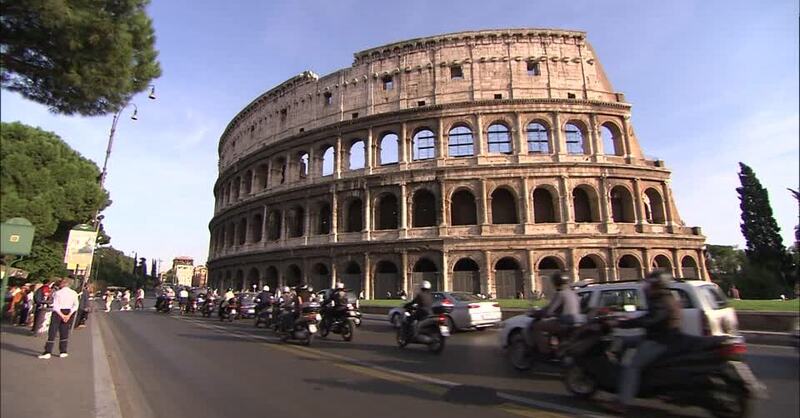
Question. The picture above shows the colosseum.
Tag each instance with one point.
(481, 161)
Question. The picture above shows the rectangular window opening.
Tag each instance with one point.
(421, 103)
(388, 83)
(302, 129)
(456, 72)
(533, 68)
(570, 95)
(355, 115)
(328, 98)
(498, 96)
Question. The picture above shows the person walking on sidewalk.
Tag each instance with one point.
(85, 308)
(126, 300)
(139, 299)
(109, 300)
(65, 304)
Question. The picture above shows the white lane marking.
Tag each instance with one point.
(413, 376)
(106, 404)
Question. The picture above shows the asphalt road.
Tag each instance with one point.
(168, 365)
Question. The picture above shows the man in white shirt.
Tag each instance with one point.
(65, 305)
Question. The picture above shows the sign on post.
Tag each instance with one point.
(80, 247)
(17, 236)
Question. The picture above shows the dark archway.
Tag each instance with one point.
(654, 207)
(387, 280)
(320, 277)
(296, 222)
(508, 279)
(544, 206)
(425, 269)
(253, 278)
(545, 270)
(294, 275)
(352, 277)
(661, 263)
(324, 219)
(271, 278)
(387, 212)
(463, 210)
(242, 231)
(355, 216)
(584, 205)
(591, 267)
(504, 207)
(274, 225)
(622, 205)
(689, 268)
(423, 209)
(467, 276)
(629, 268)
(256, 226)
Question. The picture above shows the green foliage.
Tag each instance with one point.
(724, 262)
(115, 268)
(47, 182)
(757, 281)
(86, 57)
(764, 242)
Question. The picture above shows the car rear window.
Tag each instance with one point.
(466, 297)
(683, 298)
(617, 299)
(714, 296)
(585, 298)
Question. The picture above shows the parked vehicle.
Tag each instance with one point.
(352, 299)
(701, 371)
(304, 327)
(431, 331)
(342, 323)
(468, 312)
(705, 311)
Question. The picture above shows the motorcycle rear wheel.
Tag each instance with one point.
(436, 346)
(402, 340)
(324, 328)
(579, 383)
(519, 354)
(347, 330)
(731, 404)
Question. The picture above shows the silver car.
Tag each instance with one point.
(469, 311)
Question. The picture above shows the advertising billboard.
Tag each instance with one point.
(80, 247)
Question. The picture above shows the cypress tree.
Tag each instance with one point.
(760, 230)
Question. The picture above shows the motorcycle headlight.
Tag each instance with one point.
(319, 317)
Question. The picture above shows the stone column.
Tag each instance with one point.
(312, 165)
(367, 213)
(489, 286)
(532, 285)
(605, 218)
(404, 271)
(479, 145)
(666, 194)
(441, 146)
(334, 215)
(284, 233)
(337, 158)
(334, 274)
(676, 263)
(248, 230)
(558, 135)
(701, 265)
(572, 264)
(484, 204)
(264, 225)
(520, 138)
(306, 222)
(626, 137)
(646, 266)
(268, 178)
(443, 205)
(403, 144)
(447, 286)
(566, 202)
(526, 202)
(403, 210)
(367, 277)
(369, 153)
(613, 270)
(253, 180)
(594, 137)
(638, 202)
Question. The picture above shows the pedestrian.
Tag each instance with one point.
(15, 297)
(126, 300)
(734, 292)
(139, 304)
(109, 300)
(85, 307)
(65, 305)
(42, 300)
(23, 306)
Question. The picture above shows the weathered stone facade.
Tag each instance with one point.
(481, 161)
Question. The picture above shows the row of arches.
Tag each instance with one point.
(508, 274)
(503, 207)
(537, 136)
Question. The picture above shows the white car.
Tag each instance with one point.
(469, 311)
(705, 307)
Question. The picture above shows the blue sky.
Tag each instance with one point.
(711, 83)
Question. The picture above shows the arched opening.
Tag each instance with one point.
(231, 234)
(278, 174)
(274, 225)
(425, 269)
(253, 278)
(538, 139)
(327, 161)
(256, 227)
(622, 205)
(271, 277)
(387, 280)
(242, 231)
(262, 177)
(612, 139)
(629, 268)
(544, 206)
(508, 279)
(504, 207)
(387, 212)
(689, 267)
(248, 183)
(499, 139)
(294, 276)
(654, 207)
(662, 264)
(324, 219)
(463, 210)
(584, 205)
(423, 211)
(591, 267)
(357, 159)
(235, 187)
(460, 143)
(466, 276)
(296, 222)
(389, 149)
(320, 277)
(352, 277)
(423, 145)
(545, 269)
(355, 216)
(239, 281)
(228, 282)
(575, 139)
(302, 165)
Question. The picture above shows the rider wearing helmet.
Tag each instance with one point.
(423, 301)
(264, 299)
(338, 298)
(662, 325)
(563, 310)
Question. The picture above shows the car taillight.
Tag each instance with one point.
(733, 350)
(474, 306)
(495, 305)
(447, 303)
(705, 325)
(442, 319)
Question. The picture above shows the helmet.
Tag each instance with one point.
(266, 288)
(426, 285)
(657, 280)
(285, 289)
(558, 279)
(339, 285)
(230, 289)
(302, 286)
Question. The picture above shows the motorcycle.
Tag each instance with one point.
(207, 308)
(264, 314)
(229, 312)
(192, 306)
(701, 371)
(338, 323)
(166, 305)
(304, 327)
(523, 355)
(431, 331)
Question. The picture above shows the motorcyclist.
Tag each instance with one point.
(183, 299)
(288, 304)
(227, 299)
(337, 297)
(662, 325)
(562, 311)
(422, 304)
(263, 300)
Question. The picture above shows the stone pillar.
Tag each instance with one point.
(368, 277)
(334, 274)
(626, 137)
(566, 202)
(594, 136)
(443, 200)
(264, 224)
(666, 194)
(284, 230)
(253, 180)
(701, 265)
(337, 158)
(403, 144)
(489, 286)
(484, 204)
(638, 202)
(558, 135)
(268, 179)
(441, 146)
(248, 230)
(526, 202)
(312, 165)
(403, 210)
(367, 213)
(369, 153)
(479, 145)
(334, 215)
(613, 270)
(532, 285)
(447, 286)
(404, 271)
(520, 139)
(605, 217)
(306, 222)
(646, 266)
(676, 262)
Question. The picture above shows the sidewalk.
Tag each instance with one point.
(58, 387)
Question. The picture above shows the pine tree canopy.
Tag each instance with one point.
(760, 230)
(85, 57)
(47, 182)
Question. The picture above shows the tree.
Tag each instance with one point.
(114, 268)
(724, 262)
(143, 267)
(50, 184)
(77, 56)
(796, 196)
(760, 230)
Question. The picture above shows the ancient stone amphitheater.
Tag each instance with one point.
(480, 161)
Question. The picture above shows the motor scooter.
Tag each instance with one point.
(431, 331)
(338, 322)
(304, 327)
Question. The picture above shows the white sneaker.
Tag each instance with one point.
(63, 355)
(45, 356)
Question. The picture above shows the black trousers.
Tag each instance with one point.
(38, 318)
(61, 329)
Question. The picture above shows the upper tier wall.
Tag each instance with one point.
(493, 63)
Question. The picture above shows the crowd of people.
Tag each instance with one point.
(123, 297)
